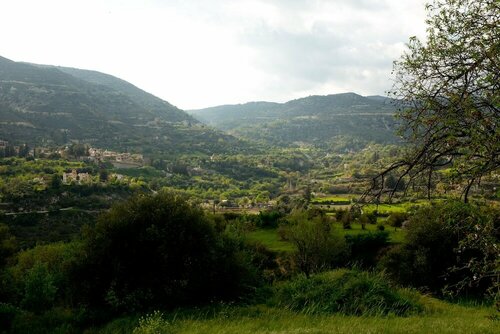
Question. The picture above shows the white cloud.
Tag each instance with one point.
(203, 53)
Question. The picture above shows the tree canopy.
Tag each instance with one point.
(448, 90)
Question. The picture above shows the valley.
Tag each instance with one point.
(120, 212)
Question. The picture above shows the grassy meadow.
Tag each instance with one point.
(270, 238)
(439, 317)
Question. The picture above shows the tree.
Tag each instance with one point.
(23, 151)
(317, 247)
(78, 150)
(448, 90)
(103, 175)
(55, 181)
(449, 248)
(39, 289)
(8, 245)
(157, 251)
(396, 219)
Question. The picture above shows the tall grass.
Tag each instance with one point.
(445, 318)
(349, 292)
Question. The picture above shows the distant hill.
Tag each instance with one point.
(48, 104)
(345, 120)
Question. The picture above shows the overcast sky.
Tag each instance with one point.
(208, 52)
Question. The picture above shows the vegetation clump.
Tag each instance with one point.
(450, 248)
(350, 292)
(159, 251)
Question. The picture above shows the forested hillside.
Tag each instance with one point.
(340, 121)
(45, 104)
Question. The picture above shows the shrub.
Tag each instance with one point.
(58, 259)
(39, 289)
(268, 219)
(8, 245)
(159, 251)
(153, 323)
(317, 247)
(56, 320)
(396, 219)
(364, 248)
(346, 220)
(452, 247)
(349, 292)
(7, 315)
(368, 218)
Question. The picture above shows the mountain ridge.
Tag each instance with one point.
(312, 120)
(50, 104)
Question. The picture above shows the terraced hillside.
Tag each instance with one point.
(334, 121)
(40, 104)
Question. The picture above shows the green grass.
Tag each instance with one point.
(395, 235)
(440, 318)
(333, 199)
(396, 207)
(387, 208)
(269, 237)
(146, 172)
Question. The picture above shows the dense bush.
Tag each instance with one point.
(348, 292)
(7, 316)
(8, 245)
(317, 246)
(158, 251)
(449, 247)
(396, 219)
(364, 248)
(268, 219)
(54, 262)
(39, 289)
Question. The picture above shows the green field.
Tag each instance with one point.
(395, 235)
(440, 317)
(270, 238)
(334, 199)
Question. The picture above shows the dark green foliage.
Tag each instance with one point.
(53, 321)
(47, 266)
(393, 183)
(8, 245)
(78, 150)
(364, 248)
(39, 289)
(158, 251)
(269, 218)
(103, 175)
(317, 246)
(55, 181)
(349, 292)
(7, 316)
(368, 218)
(396, 219)
(346, 220)
(450, 246)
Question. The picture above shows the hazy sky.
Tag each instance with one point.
(208, 52)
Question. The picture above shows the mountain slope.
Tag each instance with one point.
(40, 104)
(349, 119)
